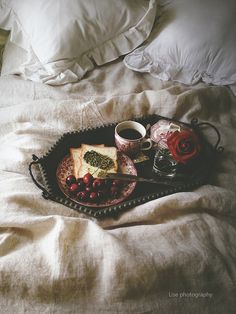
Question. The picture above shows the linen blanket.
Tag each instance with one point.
(175, 254)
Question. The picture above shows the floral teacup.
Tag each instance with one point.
(130, 138)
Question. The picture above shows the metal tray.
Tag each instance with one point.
(143, 192)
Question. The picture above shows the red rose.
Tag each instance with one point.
(183, 145)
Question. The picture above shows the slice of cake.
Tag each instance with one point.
(96, 159)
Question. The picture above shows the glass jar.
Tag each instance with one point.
(164, 164)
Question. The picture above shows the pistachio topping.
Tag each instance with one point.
(98, 160)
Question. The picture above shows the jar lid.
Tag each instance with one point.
(162, 129)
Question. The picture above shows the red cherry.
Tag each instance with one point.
(88, 178)
(97, 184)
(81, 184)
(105, 192)
(88, 189)
(74, 188)
(93, 196)
(107, 183)
(116, 183)
(70, 179)
(114, 191)
(82, 195)
(101, 194)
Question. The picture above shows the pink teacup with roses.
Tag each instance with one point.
(130, 138)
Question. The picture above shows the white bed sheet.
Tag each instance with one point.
(176, 254)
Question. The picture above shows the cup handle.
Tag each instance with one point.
(144, 145)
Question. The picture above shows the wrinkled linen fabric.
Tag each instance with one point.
(176, 254)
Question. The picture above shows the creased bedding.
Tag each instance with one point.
(176, 254)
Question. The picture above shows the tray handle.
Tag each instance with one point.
(36, 161)
(218, 148)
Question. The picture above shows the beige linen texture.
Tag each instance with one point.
(55, 260)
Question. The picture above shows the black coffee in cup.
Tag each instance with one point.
(130, 134)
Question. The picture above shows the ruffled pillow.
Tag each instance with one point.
(192, 40)
(65, 39)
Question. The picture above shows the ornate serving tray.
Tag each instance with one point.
(56, 164)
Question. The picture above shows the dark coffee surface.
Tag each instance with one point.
(130, 134)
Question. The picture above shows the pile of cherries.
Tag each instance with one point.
(90, 189)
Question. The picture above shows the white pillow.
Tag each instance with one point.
(3, 39)
(65, 39)
(193, 40)
(12, 59)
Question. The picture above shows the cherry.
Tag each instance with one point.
(116, 183)
(70, 179)
(97, 184)
(74, 188)
(88, 178)
(93, 196)
(101, 194)
(82, 195)
(88, 189)
(114, 191)
(81, 184)
(107, 182)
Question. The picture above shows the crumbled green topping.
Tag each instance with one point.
(98, 160)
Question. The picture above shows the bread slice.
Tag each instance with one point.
(109, 153)
(75, 154)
